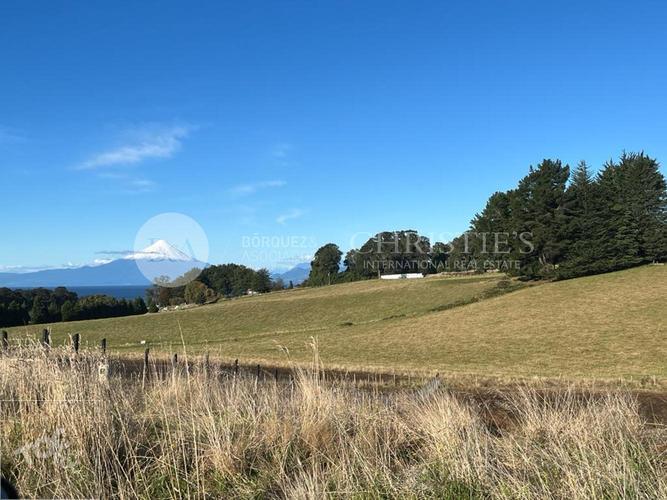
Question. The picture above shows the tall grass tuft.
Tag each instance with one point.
(67, 432)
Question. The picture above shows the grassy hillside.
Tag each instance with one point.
(274, 316)
(600, 326)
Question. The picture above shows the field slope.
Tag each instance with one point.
(605, 326)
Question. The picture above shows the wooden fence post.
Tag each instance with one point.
(145, 370)
(207, 365)
(275, 374)
(46, 339)
(174, 368)
(258, 369)
(76, 340)
(236, 367)
(5, 340)
(103, 371)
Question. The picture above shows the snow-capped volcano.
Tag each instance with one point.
(160, 250)
(158, 260)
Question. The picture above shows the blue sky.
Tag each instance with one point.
(304, 122)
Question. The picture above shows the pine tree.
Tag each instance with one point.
(645, 196)
(490, 238)
(581, 238)
(537, 209)
(619, 228)
(617, 221)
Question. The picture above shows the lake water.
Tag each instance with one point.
(119, 292)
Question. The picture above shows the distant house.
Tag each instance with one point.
(404, 276)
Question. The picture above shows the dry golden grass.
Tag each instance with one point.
(68, 433)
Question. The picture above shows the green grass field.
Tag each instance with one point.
(606, 326)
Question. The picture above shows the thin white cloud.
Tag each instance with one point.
(14, 269)
(150, 143)
(295, 213)
(248, 189)
(130, 184)
(33, 269)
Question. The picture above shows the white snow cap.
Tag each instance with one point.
(160, 250)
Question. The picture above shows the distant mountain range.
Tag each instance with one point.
(296, 275)
(136, 269)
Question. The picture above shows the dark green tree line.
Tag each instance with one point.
(41, 305)
(556, 225)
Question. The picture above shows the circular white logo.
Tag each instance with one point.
(170, 249)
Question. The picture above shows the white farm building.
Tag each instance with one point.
(405, 276)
